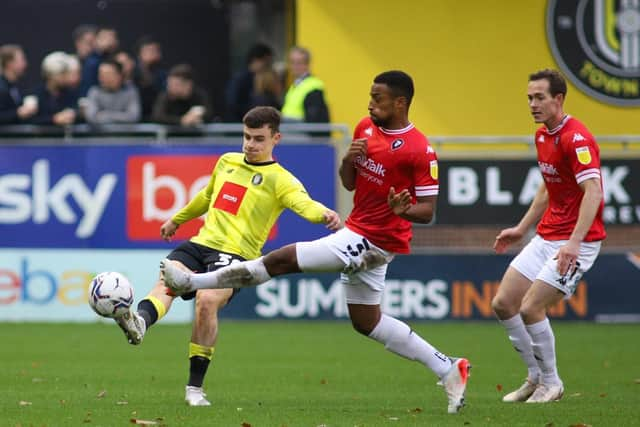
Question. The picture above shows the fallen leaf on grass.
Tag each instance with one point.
(140, 422)
(548, 425)
(101, 394)
(324, 381)
(245, 425)
(637, 381)
(580, 425)
(603, 394)
(415, 410)
(24, 403)
(499, 387)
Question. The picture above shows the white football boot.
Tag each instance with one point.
(547, 393)
(521, 394)
(133, 326)
(195, 396)
(455, 384)
(175, 278)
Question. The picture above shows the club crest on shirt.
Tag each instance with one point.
(368, 131)
(256, 179)
(584, 155)
(433, 169)
(541, 138)
(397, 143)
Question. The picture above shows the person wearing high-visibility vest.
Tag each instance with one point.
(304, 100)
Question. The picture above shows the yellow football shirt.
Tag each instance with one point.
(243, 201)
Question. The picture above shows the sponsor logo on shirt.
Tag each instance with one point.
(584, 155)
(368, 131)
(541, 138)
(230, 197)
(547, 168)
(371, 165)
(256, 179)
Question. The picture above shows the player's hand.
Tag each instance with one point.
(357, 148)
(399, 202)
(332, 220)
(567, 256)
(168, 229)
(507, 237)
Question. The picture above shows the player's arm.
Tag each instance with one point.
(348, 167)
(421, 211)
(568, 254)
(511, 235)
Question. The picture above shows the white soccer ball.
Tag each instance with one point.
(110, 294)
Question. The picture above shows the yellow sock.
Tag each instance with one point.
(200, 350)
(161, 309)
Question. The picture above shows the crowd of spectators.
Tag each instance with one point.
(100, 83)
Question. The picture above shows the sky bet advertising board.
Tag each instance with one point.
(118, 197)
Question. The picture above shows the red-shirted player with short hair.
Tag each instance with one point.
(394, 172)
(569, 206)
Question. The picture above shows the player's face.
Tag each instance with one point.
(382, 105)
(544, 107)
(258, 144)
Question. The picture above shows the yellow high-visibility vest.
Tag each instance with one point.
(294, 99)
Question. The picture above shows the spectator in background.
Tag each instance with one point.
(149, 75)
(183, 103)
(13, 108)
(55, 106)
(128, 65)
(106, 44)
(113, 101)
(241, 87)
(267, 89)
(304, 100)
(84, 40)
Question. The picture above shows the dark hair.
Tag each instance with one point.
(7, 54)
(183, 71)
(81, 30)
(114, 63)
(557, 84)
(145, 41)
(259, 51)
(260, 116)
(399, 82)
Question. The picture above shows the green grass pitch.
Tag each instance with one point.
(268, 373)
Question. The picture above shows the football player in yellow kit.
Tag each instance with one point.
(246, 194)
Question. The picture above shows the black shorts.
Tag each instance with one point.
(201, 259)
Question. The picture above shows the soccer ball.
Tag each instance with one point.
(110, 294)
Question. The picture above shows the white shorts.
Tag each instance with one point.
(349, 253)
(538, 261)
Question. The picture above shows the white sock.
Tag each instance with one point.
(398, 338)
(544, 348)
(237, 275)
(521, 341)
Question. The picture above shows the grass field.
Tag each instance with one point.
(304, 374)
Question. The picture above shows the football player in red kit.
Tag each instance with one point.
(568, 211)
(394, 172)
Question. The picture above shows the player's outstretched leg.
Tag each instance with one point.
(455, 383)
(133, 326)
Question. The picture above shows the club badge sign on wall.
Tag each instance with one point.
(596, 44)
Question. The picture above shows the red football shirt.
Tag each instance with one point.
(567, 156)
(399, 158)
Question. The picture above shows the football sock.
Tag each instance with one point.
(237, 275)
(151, 309)
(399, 338)
(544, 348)
(521, 341)
(199, 359)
